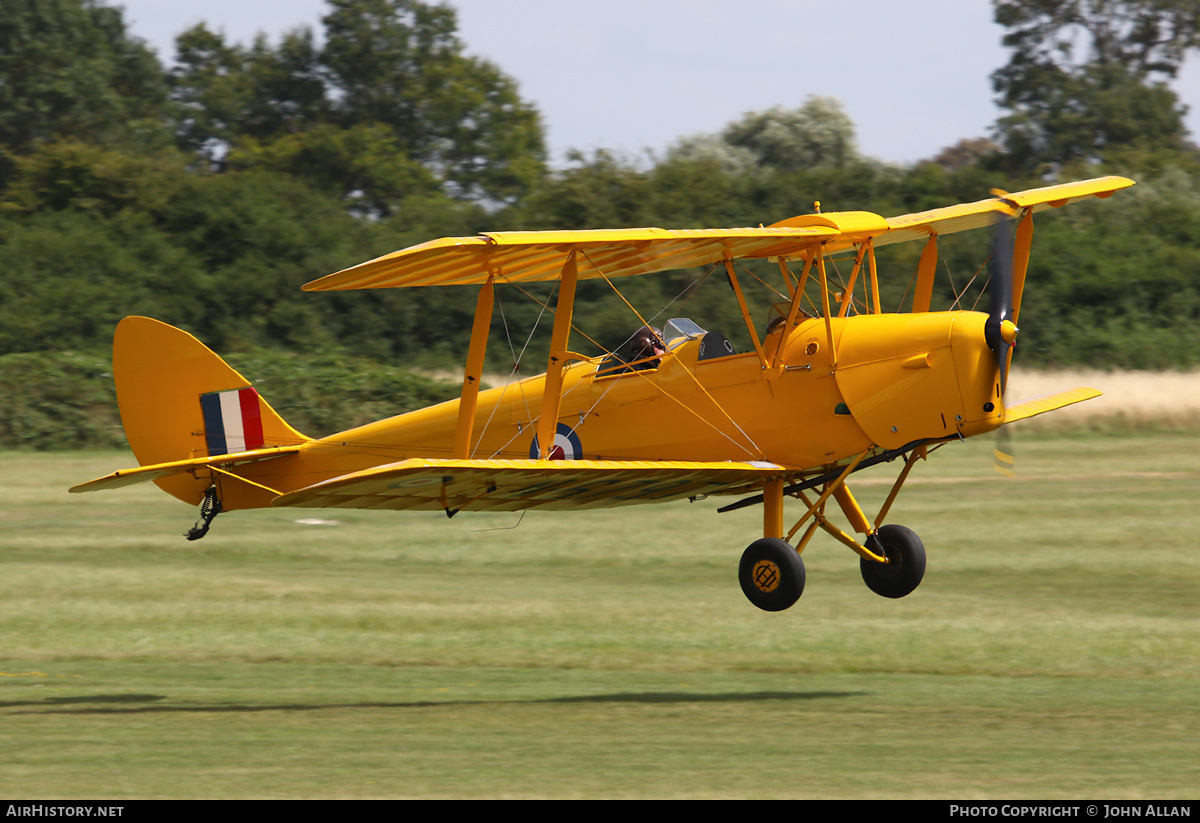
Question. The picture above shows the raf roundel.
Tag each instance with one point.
(566, 445)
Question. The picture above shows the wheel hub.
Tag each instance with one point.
(766, 576)
(892, 567)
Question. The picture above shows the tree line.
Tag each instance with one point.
(206, 190)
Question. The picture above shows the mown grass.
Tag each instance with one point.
(1050, 652)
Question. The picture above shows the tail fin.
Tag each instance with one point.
(180, 401)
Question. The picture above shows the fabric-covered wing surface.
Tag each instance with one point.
(531, 256)
(154, 471)
(982, 214)
(1050, 402)
(513, 485)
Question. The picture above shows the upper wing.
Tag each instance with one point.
(854, 227)
(539, 255)
(512, 485)
(983, 213)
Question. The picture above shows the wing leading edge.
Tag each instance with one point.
(517, 257)
(532, 256)
(982, 214)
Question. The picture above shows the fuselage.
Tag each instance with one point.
(886, 381)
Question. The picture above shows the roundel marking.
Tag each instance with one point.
(566, 445)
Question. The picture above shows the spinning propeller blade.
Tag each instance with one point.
(1003, 455)
(1000, 331)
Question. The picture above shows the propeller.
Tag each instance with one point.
(1004, 458)
(1000, 332)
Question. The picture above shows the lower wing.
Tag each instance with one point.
(513, 485)
(1041, 405)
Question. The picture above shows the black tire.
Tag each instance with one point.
(771, 574)
(905, 567)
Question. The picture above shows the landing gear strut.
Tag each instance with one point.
(892, 557)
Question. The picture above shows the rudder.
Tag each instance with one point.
(180, 400)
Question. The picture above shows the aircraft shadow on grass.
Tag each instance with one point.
(76, 705)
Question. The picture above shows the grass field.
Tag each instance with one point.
(1053, 650)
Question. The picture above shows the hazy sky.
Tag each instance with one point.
(633, 75)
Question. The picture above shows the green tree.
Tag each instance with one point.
(225, 93)
(399, 62)
(603, 190)
(1086, 76)
(816, 134)
(72, 174)
(364, 166)
(68, 68)
(67, 278)
(385, 64)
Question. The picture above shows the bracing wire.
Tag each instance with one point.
(689, 291)
(958, 296)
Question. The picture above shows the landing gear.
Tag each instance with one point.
(772, 574)
(906, 562)
(892, 557)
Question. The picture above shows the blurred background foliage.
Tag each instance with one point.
(206, 190)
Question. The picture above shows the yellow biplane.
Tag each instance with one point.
(833, 387)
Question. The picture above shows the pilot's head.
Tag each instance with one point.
(646, 343)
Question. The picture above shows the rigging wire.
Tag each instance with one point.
(516, 370)
(953, 288)
(757, 451)
(960, 295)
(504, 528)
(765, 284)
(903, 297)
(841, 281)
(690, 291)
(754, 449)
(685, 295)
(982, 291)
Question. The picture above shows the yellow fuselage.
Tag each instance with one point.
(895, 379)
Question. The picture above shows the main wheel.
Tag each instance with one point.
(771, 574)
(905, 567)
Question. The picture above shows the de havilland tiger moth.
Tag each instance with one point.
(832, 386)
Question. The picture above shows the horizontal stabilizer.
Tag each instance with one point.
(1041, 405)
(513, 485)
(127, 477)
